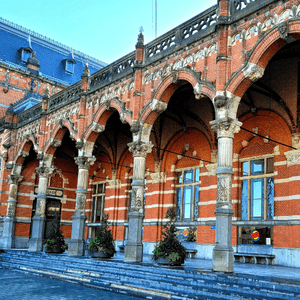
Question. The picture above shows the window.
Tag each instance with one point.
(257, 191)
(69, 67)
(25, 53)
(187, 191)
(98, 202)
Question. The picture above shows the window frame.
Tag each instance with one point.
(251, 179)
(96, 196)
(185, 186)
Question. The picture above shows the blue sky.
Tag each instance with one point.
(104, 29)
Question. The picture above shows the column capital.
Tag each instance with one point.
(14, 179)
(45, 172)
(226, 127)
(140, 149)
(84, 162)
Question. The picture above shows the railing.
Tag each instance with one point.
(113, 71)
(30, 114)
(185, 33)
(65, 96)
(241, 8)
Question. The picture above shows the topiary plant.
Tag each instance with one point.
(170, 247)
(103, 241)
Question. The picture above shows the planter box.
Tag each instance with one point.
(54, 251)
(167, 262)
(100, 254)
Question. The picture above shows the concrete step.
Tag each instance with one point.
(162, 281)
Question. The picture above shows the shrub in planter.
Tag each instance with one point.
(103, 243)
(55, 241)
(170, 248)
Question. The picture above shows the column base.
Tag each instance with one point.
(223, 259)
(76, 248)
(36, 241)
(133, 253)
(7, 241)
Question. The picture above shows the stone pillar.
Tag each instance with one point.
(134, 246)
(223, 252)
(38, 221)
(76, 244)
(7, 239)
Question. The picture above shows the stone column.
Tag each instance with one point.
(134, 246)
(223, 251)
(76, 244)
(7, 239)
(38, 221)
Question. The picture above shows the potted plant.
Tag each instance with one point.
(55, 241)
(102, 245)
(169, 251)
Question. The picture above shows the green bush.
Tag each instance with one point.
(104, 240)
(170, 247)
(55, 240)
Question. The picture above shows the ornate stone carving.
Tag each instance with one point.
(253, 72)
(28, 131)
(11, 208)
(140, 149)
(80, 205)
(97, 127)
(55, 143)
(284, 29)
(220, 101)
(212, 169)
(158, 177)
(226, 127)
(296, 140)
(64, 114)
(44, 171)
(245, 143)
(158, 106)
(84, 162)
(292, 157)
(14, 179)
(198, 91)
(175, 77)
(137, 199)
(223, 191)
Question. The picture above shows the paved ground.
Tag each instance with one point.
(19, 286)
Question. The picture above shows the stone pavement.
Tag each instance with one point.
(20, 286)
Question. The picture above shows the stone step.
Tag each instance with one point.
(155, 279)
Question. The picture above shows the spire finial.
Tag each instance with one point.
(140, 43)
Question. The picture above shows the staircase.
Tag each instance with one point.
(147, 280)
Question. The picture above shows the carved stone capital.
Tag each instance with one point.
(43, 171)
(97, 127)
(140, 149)
(14, 179)
(226, 127)
(158, 106)
(292, 157)
(84, 162)
(55, 143)
(253, 72)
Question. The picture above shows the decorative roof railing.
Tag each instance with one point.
(186, 33)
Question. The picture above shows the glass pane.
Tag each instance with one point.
(270, 165)
(188, 176)
(257, 167)
(197, 175)
(178, 205)
(95, 189)
(100, 188)
(245, 168)
(270, 198)
(180, 178)
(196, 202)
(257, 198)
(187, 203)
(245, 200)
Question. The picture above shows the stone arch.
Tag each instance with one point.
(166, 89)
(54, 142)
(23, 150)
(258, 60)
(103, 114)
